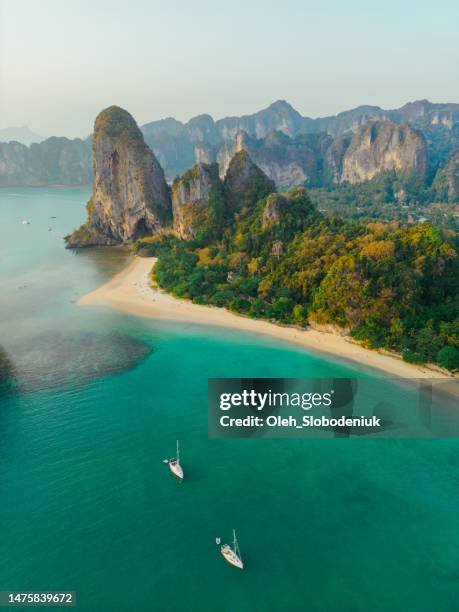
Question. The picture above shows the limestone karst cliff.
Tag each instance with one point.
(245, 183)
(334, 156)
(201, 203)
(272, 210)
(130, 196)
(381, 146)
(289, 162)
(178, 145)
(55, 161)
(446, 183)
(292, 210)
(197, 201)
(278, 139)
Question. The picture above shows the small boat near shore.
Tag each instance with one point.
(232, 555)
(174, 464)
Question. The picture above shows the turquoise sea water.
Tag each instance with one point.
(92, 401)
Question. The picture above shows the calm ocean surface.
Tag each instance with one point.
(91, 401)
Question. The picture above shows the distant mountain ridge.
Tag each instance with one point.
(55, 161)
(178, 145)
(281, 116)
(291, 149)
(22, 134)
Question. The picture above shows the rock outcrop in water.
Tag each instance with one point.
(383, 146)
(130, 196)
(131, 199)
(197, 201)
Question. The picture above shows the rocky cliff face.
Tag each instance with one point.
(201, 202)
(286, 214)
(245, 183)
(383, 146)
(446, 183)
(226, 152)
(178, 145)
(317, 159)
(130, 196)
(273, 210)
(288, 162)
(334, 156)
(197, 201)
(174, 142)
(279, 116)
(204, 153)
(422, 113)
(351, 120)
(55, 161)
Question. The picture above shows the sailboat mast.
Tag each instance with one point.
(235, 545)
(178, 457)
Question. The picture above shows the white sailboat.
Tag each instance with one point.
(233, 555)
(174, 465)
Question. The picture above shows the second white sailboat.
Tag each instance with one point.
(174, 465)
(233, 555)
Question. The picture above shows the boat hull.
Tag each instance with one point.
(230, 556)
(176, 469)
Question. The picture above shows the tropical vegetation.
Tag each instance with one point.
(388, 285)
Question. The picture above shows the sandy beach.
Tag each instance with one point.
(130, 292)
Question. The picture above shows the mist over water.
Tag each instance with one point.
(92, 401)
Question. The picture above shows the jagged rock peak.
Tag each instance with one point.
(245, 183)
(197, 200)
(383, 145)
(242, 141)
(282, 106)
(130, 196)
(201, 128)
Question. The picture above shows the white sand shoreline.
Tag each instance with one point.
(130, 291)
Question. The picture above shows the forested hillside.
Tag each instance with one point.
(278, 258)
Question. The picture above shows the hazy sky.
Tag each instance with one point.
(62, 61)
